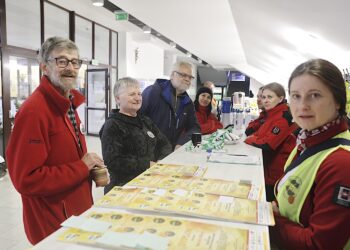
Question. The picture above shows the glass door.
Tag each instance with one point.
(97, 100)
(24, 79)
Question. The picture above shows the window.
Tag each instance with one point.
(83, 36)
(114, 48)
(23, 23)
(56, 21)
(102, 44)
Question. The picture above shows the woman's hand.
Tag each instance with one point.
(275, 208)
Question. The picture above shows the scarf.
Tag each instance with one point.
(305, 134)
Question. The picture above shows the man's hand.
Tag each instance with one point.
(93, 160)
(177, 146)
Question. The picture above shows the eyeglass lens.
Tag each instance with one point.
(183, 75)
(63, 62)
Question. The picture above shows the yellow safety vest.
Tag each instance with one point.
(293, 192)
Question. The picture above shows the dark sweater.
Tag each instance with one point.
(128, 146)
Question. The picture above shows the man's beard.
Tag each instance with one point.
(56, 80)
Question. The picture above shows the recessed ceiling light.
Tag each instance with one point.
(188, 54)
(172, 44)
(98, 3)
(146, 29)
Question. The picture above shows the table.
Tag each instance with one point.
(252, 173)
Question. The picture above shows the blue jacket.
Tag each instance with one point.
(178, 125)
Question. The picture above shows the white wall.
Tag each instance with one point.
(254, 86)
(143, 59)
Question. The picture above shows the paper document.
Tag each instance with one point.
(194, 203)
(234, 158)
(240, 189)
(175, 169)
(138, 231)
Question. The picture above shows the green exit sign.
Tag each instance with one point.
(121, 16)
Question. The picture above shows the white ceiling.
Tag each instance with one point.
(265, 39)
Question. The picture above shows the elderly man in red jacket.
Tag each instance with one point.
(47, 158)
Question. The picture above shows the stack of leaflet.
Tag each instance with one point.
(175, 169)
(192, 203)
(239, 189)
(120, 230)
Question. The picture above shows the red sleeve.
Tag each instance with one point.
(253, 126)
(209, 125)
(270, 135)
(329, 223)
(27, 161)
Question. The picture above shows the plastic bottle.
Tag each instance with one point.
(233, 116)
(225, 111)
(247, 117)
(239, 119)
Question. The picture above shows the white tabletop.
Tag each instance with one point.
(253, 173)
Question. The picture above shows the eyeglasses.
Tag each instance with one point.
(62, 62)
(183, 75)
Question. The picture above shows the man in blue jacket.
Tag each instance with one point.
(169, 106)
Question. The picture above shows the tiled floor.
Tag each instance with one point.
(12, 234)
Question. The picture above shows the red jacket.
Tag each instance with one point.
(209, 124)
(275, 137)
(326, 225)
(254, 125)
(43, 158)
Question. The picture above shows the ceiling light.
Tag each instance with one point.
(146, 29)
(189, 54)
(98, 3)
(200, 60)
(172, 44)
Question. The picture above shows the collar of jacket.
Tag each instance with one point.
(62, 103)
(283, 106)
(168, 90)
(134, 121)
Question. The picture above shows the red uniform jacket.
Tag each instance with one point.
(209, 124)
(254, 125)
(44, 164)
(275, 137)
(326, 225)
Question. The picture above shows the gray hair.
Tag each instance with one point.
(55, 43)
(179, 64)
(124, 83)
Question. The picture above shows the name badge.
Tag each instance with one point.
(82, 128)
(150, 134)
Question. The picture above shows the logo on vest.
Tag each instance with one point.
(276, 130)
(292, 188)
(342, 196)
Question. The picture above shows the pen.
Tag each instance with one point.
(238, 154)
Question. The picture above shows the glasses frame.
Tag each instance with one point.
(183, 75)
(75, 66)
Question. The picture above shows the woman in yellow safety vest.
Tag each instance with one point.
(312, 210)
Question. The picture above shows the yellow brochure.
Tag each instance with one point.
(175, 169)
(180, 233)
(240, 189)
(193, 203)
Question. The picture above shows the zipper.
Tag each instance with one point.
(65, 210)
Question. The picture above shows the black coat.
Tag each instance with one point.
(128, 146)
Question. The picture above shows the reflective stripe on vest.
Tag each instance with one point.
(293, 192)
